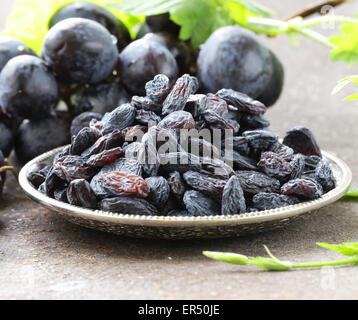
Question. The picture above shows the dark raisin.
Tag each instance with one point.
(302, 140)
(268, 201)
(196, 104)
(274, 166)
(83, 121)
(82, 141)
(109, 141)
(61, 195)
(105, 157)
(215, 121)
(64, 152)
(235, 125)
(178, 120)
(159, 191)
(79, 193)
(146, 103)
(260, 139)
(239, 161)
(200, 147)
(233, 200)
(36, 173)
(207, 185)
(145, 117)
(73, 167)
(217, 168)
(216, 104)
(178, 97)
(239, 144)
(324, 176)
(298, 163)
(242, 101)
(158, 89)
(128, 205)
(177, 185)
(255, 182)
(120, 118)
(52, 183)
(179, 161)
(200, 205)
(286, 153)
(253, 121)
(312, 162)
(303, 188)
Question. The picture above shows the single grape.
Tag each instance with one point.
(28, 89)
(38, 136)
(87, 10)
(141, 61)
(80, 51)
(11, 48)
(233, 58)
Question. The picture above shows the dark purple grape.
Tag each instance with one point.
(233, 199)
(303, 188)
(233, 57)
(255, 182)
(80, 51)
(302, 140)
(11, 48)
(324, 176)
(200, 205)
(159, 191)
(37, 174)
(141, 61)
(100, 98)
(269, 201)
(28, 88)
(79, 193)
(178, 97)
(83, 120)
(128, 205)
(35, 137)
(96, 13)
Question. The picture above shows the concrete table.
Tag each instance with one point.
(44, 257)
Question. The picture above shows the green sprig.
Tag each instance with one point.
(274, 264)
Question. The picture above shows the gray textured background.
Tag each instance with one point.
(43, 256)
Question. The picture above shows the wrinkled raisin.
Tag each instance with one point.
(158, 89)
(177, 185)
(298, 163)
(216, 104)
(82, 141)
(128, 205)
(200, 205)
(105, 157)
(268, 201)
(73, 167)
(260, 139)
(178, 120)
(146, 104)
(255, 182)
(159, 191)
(36, 174)
(303, 188)
(233, 200)
(79, 193)
(286, 153)
(120, 118)
(145, 117)
(274, 166)
(179, 161)
(324, 176)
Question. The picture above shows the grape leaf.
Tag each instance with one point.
(346, 44)
(198, 18)
(29, 19)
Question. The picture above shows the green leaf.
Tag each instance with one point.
(344, 82)
(346, 249)
(29, 19)
(353, 192)
(352, 97)
(255, 8)
(227, 257)
(346, 44)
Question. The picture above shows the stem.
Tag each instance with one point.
(326, 19)
(316, 36)
(316, 8)
(353, 260)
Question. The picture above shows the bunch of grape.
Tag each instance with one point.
(88, 63)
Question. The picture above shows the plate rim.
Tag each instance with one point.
(160, 221)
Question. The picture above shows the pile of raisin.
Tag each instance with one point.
(143, 159)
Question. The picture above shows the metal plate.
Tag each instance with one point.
(187, 228)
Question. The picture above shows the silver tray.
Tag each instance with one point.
(187, 228)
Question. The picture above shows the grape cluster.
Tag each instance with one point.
(144, 157)
(89, 65)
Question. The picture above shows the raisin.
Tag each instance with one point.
(73, 167)
(61, 195)
(303, 188)
(120, 118)
(146, 104)
(159, 191)
(253, 121)
(234, 125)
(298, 163)
(312, 162)
(200, 147)
(118, 184)
(217, 168)
(200, 205)
(179, 161)
(302, 140)
(36, 174)
(145, 117)
(255, 182)
(178, 120)
(207, 185)
(242, 101)
(286, 153)
(268, 201)
(134, 134)
(274, 166)
(196, 104)
(178, 97)
(214, 121)
(233, 199)
(65, 152)
(82, 141)
(158, 89)
(177, 185)
(125, 165)
(240, 162)
(260, 139)
(216, 104)
(105, 157)
(109, 141)
(128, 205)
(324, 176)
(79, 193)
(52, 182)
(83, 121)
(239, 144)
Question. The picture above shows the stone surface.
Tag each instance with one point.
(44, 257)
